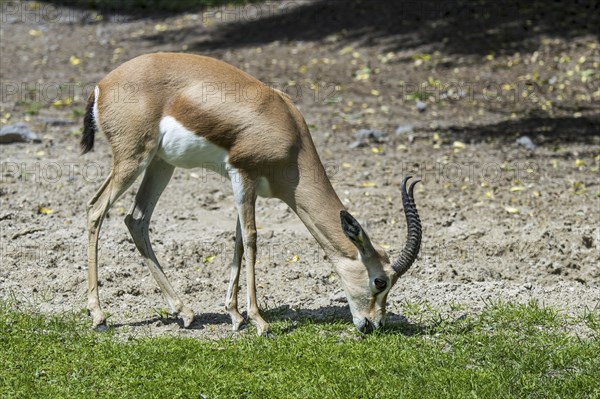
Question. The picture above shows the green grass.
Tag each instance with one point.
(506, 351)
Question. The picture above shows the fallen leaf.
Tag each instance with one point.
(346, 50)
(74, 60)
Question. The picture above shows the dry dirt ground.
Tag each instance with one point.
(500, 222)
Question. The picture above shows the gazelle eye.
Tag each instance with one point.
(380, 284)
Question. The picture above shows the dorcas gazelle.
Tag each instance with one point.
(185, 111)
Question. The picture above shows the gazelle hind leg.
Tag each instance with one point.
(244, 191)
(112, 188)
(157, 176)
(231, 301)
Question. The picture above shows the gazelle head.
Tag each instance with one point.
(367, 280)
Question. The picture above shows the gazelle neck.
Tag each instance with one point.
(318, 206)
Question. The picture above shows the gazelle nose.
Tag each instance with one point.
(366, 327)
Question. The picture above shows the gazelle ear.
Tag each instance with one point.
(353, 230)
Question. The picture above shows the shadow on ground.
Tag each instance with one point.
(395, 323)
(452, 27)
(543, 130)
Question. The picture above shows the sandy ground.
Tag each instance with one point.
(500, 222)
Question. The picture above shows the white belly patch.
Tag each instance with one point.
(184, 149)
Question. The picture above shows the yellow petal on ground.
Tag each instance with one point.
(346, 165)
(40, 153)
(35, 32)
(436, 137)
(303, 69)
(579, 163)
(45, 211)
(368, 184)
(209, 258)
(346, 50)
(376, 150)
(401, 147)
(458, 145)
(375, 92)
(511, 210)
(515, 189)
(489, 194)
(160, 27)
(294, 259)
(74, 60)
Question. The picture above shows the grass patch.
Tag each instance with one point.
(507, 351)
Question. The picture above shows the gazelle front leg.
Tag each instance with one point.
(231, 302)
(244, 191)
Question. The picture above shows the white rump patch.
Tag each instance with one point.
(95, 112)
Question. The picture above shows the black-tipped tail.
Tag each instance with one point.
(89, 126)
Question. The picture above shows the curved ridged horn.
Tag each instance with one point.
(413, 239)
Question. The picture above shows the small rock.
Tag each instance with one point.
(421, 106)
(18, 133)
(371, 134)
(404, 129)
(357, 144)
(526, 142)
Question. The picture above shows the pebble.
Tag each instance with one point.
(369, 134)
(18, 133)
(421, 106)
(404, 129)
(526, 142)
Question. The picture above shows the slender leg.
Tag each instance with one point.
(245, 197)
(231, 302)
(155, 180)
(112, 188)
